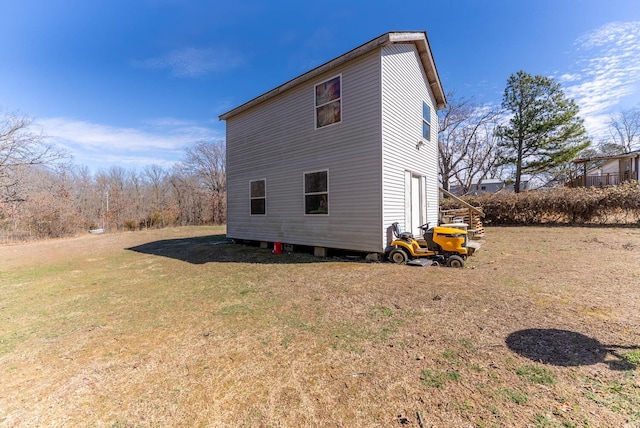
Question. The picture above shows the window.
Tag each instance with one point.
(426, 121)
(316, 192)
(328, 102)
(258, 197)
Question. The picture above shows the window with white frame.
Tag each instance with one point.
(316, 192)
(328, 105)
(426, 121)
(258, 197)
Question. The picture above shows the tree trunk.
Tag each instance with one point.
(516, 185)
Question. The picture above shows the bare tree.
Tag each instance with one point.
(40, 196)
(466, 142)
(624, 128)
(207, 161)
(87, 199)
(21, 147)
(189, 195)
(604, 148)
(156, 181)
(136, 210)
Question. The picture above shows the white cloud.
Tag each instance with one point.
(192, 62)
(610, 72)
(160, 141)
(567, 77)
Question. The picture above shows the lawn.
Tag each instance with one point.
(176, 327)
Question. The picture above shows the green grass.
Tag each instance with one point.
(536, 374)
(514, 396)
(451, 357)
(437, 378)
(632, 357)
(381, 312)
(543, 421)
(621, 395)
(468, 344)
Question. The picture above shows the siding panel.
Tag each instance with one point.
(277, 140)
(404, 88)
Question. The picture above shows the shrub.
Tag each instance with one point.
(609, 205)
(130, 224)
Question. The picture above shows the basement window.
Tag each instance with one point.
(328, 96)
(258, 197)
(316, 192)
(426, 121)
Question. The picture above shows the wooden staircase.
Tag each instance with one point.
(467, 214)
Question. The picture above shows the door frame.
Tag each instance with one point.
(414, 188)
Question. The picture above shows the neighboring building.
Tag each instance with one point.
(609, 170)
(333, 157)
(491, 185)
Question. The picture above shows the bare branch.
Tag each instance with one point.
(21, 147)
(466, 142)
(624, 128)
(207, 162)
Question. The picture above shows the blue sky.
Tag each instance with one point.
(135, 82)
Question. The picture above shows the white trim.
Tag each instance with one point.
(424, 121)
(304, 193)
(264, 197)
(316, 106)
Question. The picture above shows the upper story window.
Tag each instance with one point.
(328, 95)
(316, 192)
(426, 121)
(258, 197)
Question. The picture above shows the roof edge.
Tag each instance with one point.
(607, 157)
(419, 38)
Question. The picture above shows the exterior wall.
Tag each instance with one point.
(611, 167)
(484, 187)
(277, 141)
(494, 187)
(616, 165)
(404, 88)
(613, 172)
(479, 189)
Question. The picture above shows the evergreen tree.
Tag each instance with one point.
(544, 130)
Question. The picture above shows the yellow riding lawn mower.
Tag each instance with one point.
(440, 246)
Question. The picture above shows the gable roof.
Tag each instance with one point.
(418, 38)
(608, 157)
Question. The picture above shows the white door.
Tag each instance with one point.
(414, 212)
(416, 203)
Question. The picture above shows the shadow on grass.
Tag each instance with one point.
(567, 348)
(216, 248)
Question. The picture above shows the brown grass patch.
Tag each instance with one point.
(541, 329)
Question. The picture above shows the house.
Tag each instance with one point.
(603, 171)
(491, 185)
(333, 157)
(488, 185)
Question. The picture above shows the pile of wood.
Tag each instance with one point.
(465, 215)
(468, 214)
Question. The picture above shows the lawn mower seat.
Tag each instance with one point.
(397, 231)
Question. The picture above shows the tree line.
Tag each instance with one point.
(43, 195)
(536, 130)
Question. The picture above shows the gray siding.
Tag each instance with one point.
(277, 141)
(404, 88)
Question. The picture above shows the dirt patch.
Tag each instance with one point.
(174, 328)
